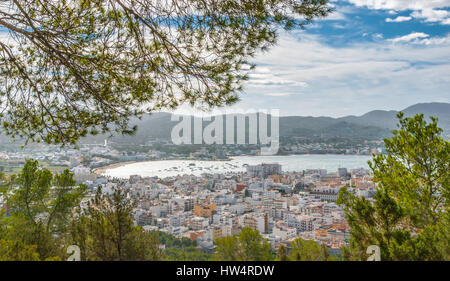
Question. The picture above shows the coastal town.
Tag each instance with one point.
(281, 205)
(87, 157)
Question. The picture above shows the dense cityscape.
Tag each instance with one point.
(193, 136)
(282, 206)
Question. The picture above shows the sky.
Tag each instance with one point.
(367, 55)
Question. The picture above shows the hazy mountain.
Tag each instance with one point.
(378, 118)
(372, 125)
(388, 120)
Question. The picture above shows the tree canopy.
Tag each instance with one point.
(40, 205)
(105, 231)
(249, 245)
(45, 215)
(71, 68)
(307, 250)
(408, 217)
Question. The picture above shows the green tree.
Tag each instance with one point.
(106, 231)
(189, 253)
(249, 245)
(282, 254)
(17, 251)
(408, 216)
(71, 68)
(227, 248)
(308, 250)
(40, 205)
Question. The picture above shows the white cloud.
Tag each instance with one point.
(399, 19)
(431, 15)
(401, 5)
(266, 78)
(339, 13)
(336, 15)
(352, 79)
(410, 37)
(377, 36)
(420, 38)
(277, 94)
(433, 41)
(428, 10)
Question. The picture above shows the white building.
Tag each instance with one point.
(284, 232)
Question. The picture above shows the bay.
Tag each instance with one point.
(170, 168)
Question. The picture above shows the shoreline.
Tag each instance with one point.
(101, 170)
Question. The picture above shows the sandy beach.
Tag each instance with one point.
(101, 170)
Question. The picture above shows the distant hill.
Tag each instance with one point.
(377, 118)
(370, 126)
(388, 120)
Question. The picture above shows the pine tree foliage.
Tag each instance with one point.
(71, 68)
(408, 217)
